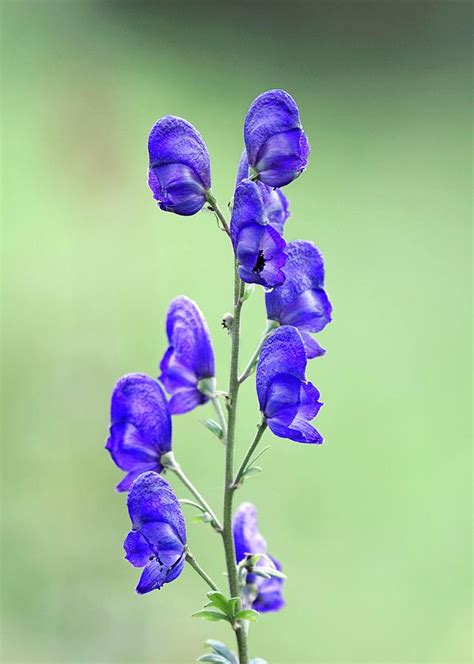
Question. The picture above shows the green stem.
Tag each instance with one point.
(218, 212)
(220, 416)
(229, 464)
(195, 565)
(249, 369)
(168, 461)
(251, 450)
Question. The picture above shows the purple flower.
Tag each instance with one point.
(302, 301)
(157, 540)
(265, 594)
(179, 174)
(140, 430)
(287, 400)
(275, 203)
(258, 247)
(277, 147)
(188, 363)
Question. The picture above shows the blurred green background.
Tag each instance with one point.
(372, 527)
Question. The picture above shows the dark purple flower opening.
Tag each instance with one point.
(179, 174)
(189, 358)
(301, 300)
(140, 430)
(258, 247)
(275, 203)
(157, 540)
(277, 147)
(287, 400)
(267, 593)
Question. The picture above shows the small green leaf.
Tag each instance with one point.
(233, 601)
(259, 571)
(214, 427)
(253, 470)
(219, 600)
(247, 614)
(198, 519)
(248, 291)
(272, 572)
(258, 660)
(217, 659)
(257, 456)
(213, 616)
(222, 650)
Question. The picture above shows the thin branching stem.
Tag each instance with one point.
(191, 560)
(243, 466)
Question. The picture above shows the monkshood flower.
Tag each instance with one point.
(287, 400)
(187, 367)
(157, 540)
(140, 430)
(267, 593)
(277, 147)
(179, 174)
(301, 300)
(258, 247)
(275, 203)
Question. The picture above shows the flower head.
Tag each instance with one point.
(140, 430)
(275, 203)
(179, 174)
(277, 146)
(287, 400)
(266, 594)
(301, 300)
(258, 247)
(189, 358)
(157, 540)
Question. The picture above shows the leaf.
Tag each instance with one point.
(214, 427)
(233, 601)
(221, 649)
(253, 470)
(259, 571)
(257, 456)
(247, 614)
(219, 600)
(258, 660)
(198, 519)
(213, 616)
(211, 657)
(271, 571)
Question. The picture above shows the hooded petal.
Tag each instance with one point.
(174, 140)
(247, 538)
(137, 549)
(286, 399)
(155, 575)
(189, 357)
(152, 500)
(276, 145)
(140, 430)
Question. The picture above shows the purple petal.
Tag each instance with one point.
(247, 538)
(242, 169)
(151, 499)
(137, 549)
(312, 347)
(186, 400)
(276, 145)
(282, 398)
(163, 541)
(129, 479)
(261, 256)
(248, 208)
(176, 189)
(276, 207)
(140, 431)
(155, 575)
(189, 357)
(174, 140)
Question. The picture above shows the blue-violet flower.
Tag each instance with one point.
(277, 146)
(275, 203)
(301, 300)
(140, 430)
(179, 174)
(258, 247)
(287, 400)
(188, 363)
(264, 594)
(157, 541)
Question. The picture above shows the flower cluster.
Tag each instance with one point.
(292, 275)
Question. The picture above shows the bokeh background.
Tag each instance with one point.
(372, 527)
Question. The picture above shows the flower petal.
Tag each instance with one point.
(186, 400)
(247, 538)
(155, 575)
(174, 140)
(137, 549)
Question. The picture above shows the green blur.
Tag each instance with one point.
(372, 528)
